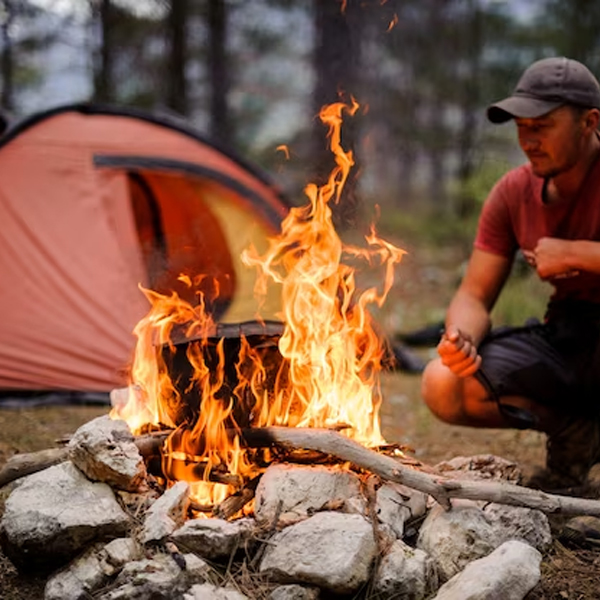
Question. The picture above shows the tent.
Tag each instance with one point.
(95, 201)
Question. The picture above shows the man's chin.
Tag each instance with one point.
(543, 171)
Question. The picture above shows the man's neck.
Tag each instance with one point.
(566, 185)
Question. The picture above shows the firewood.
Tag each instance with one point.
(441, 488)
(234, 503)
(20, 465)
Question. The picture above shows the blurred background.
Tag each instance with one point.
(252, 75)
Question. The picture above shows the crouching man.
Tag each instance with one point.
(544, 376)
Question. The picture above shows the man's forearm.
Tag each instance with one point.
(469, 316)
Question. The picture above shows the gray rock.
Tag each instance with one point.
(509, 573)
(292, 493)
(295, 592)
(405, 573)
(105, 451)
(207, 591)
(330, 550)
(167, 513)
(213, 538)
(53, 515)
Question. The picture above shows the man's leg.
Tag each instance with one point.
(573, 443)
(467, 401)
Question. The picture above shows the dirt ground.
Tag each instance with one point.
(569, 573)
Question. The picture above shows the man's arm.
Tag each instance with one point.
(553, 257)
(468, 317)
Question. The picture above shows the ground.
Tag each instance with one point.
(568, 573)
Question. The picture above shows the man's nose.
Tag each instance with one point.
(529, 142)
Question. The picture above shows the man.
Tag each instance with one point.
(544, 376)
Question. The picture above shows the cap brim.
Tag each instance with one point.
(521, 107)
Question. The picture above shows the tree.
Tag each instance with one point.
(104, 13)
(218, 68)
(572, 28)
(177, 94)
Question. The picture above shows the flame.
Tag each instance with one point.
(393, 23)
(333, 352)
(329, 354)
(286, 151)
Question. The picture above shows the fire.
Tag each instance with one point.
(330, 353)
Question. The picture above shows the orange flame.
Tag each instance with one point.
(330, 354)
(333, 351)
(286, 151)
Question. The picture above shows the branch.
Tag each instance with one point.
(439, 487)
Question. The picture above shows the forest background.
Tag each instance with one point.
(252, 75)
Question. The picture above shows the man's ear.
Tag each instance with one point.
(592, 119)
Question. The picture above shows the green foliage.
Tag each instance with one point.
(431, 228)
(524, 296)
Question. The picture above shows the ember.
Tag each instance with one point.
(325, 370)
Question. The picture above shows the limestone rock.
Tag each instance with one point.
(53, 515)
(330, 550)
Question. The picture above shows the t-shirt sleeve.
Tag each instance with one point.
(495, 232)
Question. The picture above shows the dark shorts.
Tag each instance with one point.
(556, 363)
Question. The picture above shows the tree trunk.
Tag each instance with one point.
(218, 66)
(104, 64)
(177, 95)
(7, 99)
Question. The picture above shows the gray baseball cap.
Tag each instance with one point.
(546, 85)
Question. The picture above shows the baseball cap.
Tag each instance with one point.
(546, 85)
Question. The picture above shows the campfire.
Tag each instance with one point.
(319, 371)
(245, 460)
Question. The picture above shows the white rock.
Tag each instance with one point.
(509, 573)
(53, 515)
(330, 550)
(167, 513)
(294, 492)
(213, 538)
(295, 592)
(105, 451)
(396, 504)
(456, 537)
(468, 532)
(405, 573)
(210, 592)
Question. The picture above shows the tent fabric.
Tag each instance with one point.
(95, 202)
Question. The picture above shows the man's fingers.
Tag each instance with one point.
(467, 367)
(454, 356)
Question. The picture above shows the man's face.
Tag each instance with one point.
(553, 142)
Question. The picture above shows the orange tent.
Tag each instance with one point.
(95, 201)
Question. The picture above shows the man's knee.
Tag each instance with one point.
(441, 391)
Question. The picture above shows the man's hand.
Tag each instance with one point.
(548, 258)
(458, 353)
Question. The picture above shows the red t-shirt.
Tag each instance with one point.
(514, 216)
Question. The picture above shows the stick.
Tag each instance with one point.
(20, 465)
(439, 487)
